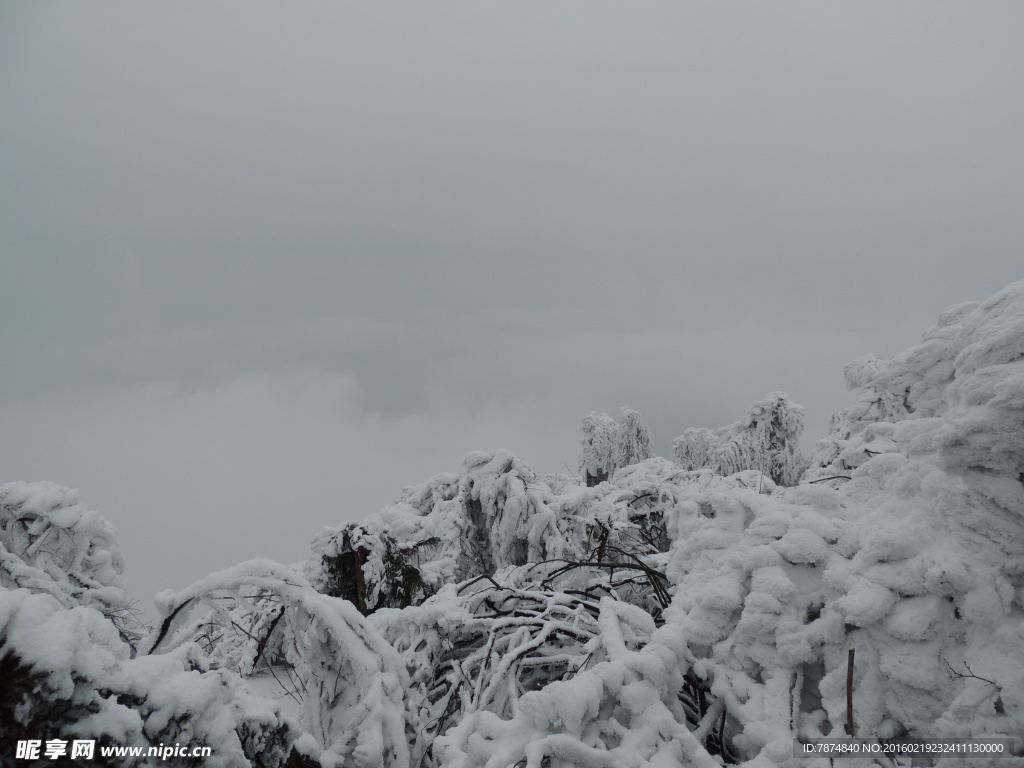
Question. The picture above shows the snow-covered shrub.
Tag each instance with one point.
(620, 708)
(68, 675)
(349, 680)
(920, 382)
(913, 557)
(370, 570)
(493, 514)
(51, 543)
(480, 647)
(765, 440)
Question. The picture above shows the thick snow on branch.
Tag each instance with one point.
(622, 709)
(67, 674)
(51, 543)
(352, 680)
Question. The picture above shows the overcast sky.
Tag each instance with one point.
(263, 264)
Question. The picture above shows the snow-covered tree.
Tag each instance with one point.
(609, 446)
(597, 459)
(693, 449)
(766, 440)
(632, 440)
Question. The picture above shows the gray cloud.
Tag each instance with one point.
(391, 235)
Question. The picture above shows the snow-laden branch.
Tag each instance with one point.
(354, 681)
